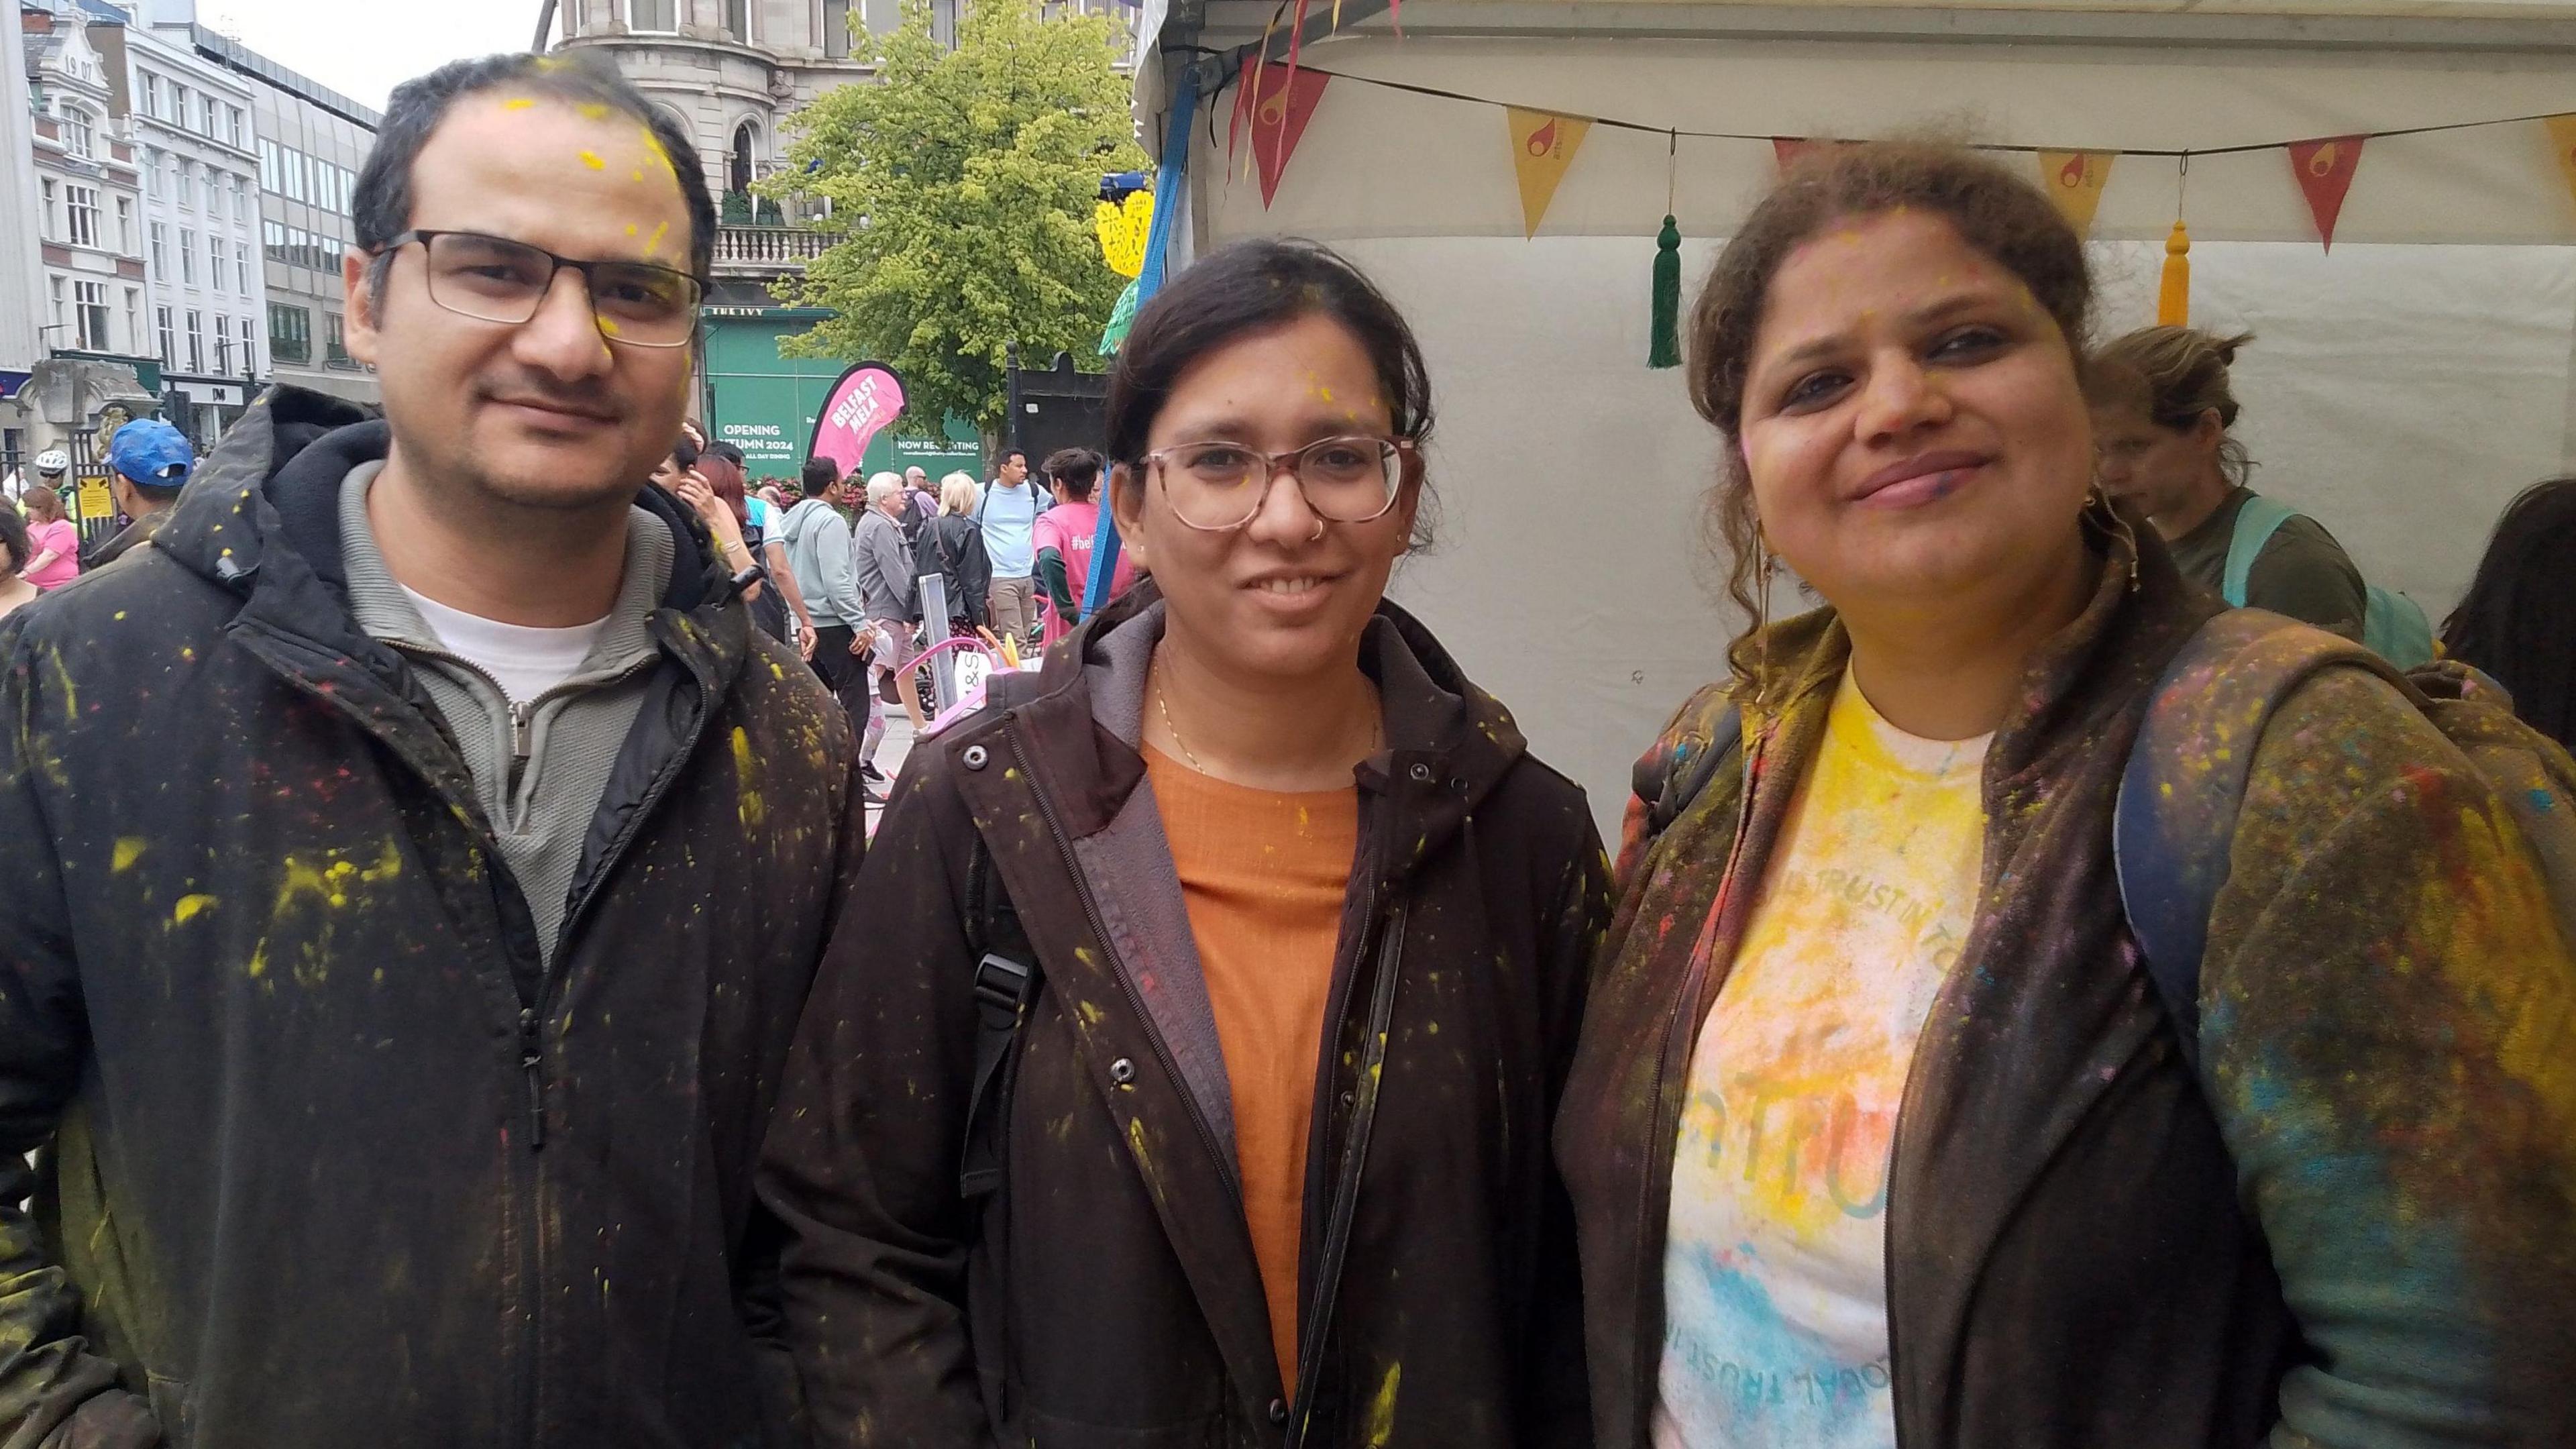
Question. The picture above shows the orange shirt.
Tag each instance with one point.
(1264, 877)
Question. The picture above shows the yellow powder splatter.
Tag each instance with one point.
(653, 243)
(594, 111)
(746, 773)
(128, 850)
(187, 909)
(521, 103)
(593, 160)
(1381, 1415)
(607, 327)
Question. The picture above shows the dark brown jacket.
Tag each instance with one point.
(1107, 1295)
(2357, 1228)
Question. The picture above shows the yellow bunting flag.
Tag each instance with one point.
(1123, 229)
(2562, 139)
(2074, 180)
(1543, 146)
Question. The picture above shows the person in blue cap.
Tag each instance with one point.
(148, 463)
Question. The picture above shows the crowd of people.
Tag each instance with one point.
(450, 991)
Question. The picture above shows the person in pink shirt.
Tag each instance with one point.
(1064, 538)
(53, 541)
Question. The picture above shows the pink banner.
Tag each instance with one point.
(867, 397)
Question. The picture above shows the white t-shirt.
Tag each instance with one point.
(1775, 1265)
(526, 661)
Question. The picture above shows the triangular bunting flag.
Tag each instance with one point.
(2075, 180)
(2324, 169)
(2562, 139)
(1543, 146)
(1276, 103)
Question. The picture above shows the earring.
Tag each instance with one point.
(1762, 615)
(2104, 515)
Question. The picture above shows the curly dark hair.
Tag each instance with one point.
(1995, 210)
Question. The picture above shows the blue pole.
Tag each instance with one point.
(1168, 183)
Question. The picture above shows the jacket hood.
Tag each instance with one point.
(267, 498)
(1448, 743)
(2139, 614)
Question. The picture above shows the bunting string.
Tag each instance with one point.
(2171, 152)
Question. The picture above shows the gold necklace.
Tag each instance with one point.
(1174, 730)
(1377, 727)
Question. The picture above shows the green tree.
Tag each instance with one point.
(968, 177)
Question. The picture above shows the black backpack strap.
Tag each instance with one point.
(1007, 980)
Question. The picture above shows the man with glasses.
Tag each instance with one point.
(418, 862)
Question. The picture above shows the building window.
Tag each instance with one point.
(205, 115)
(196, 341)
(151, 172)
(160, 250)
(215, 274)
(267, 164)
(250, 349)
(89, 310)
(272, 241)
(187, 256)
(183, 177)
(83, 210)
(223, 344)
(655, 15)
(737, 20)
(80, 133)
(178, 105)
(739, 178)
(134, 318)
(335, 339)
(53, 211)
(290, 333)
(241, 265)
(125, 226)
(233, 124)
(214, 192)
(151, 94)
(169, 337)
(62, 315)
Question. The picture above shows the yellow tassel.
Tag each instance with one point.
(2173, 295)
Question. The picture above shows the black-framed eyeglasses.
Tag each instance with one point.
(1218, 486)
(495, 279)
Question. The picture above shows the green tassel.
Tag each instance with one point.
(1665, 350)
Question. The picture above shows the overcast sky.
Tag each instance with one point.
(364, 48)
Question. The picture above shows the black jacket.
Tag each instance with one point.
(1107, 1296)
(952, 546)
(334, 1161)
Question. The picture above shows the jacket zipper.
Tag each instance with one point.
(1315, 1323)
(530, 1023)
(1100, 932)
(1667, 1119)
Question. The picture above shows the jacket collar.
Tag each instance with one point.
(2139, 615)
(1448, 743)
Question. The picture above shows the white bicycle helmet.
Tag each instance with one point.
(53, 460)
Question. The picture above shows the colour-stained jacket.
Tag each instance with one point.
(1107, 1296)
(2355, 1227)
(331, 1158)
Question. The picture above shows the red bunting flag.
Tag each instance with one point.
(1276, 102)
(2324, 169)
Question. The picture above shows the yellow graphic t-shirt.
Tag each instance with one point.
(1775, 1270)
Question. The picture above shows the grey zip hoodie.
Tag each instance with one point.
(541, 765)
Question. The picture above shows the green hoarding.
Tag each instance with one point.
(765, 404)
